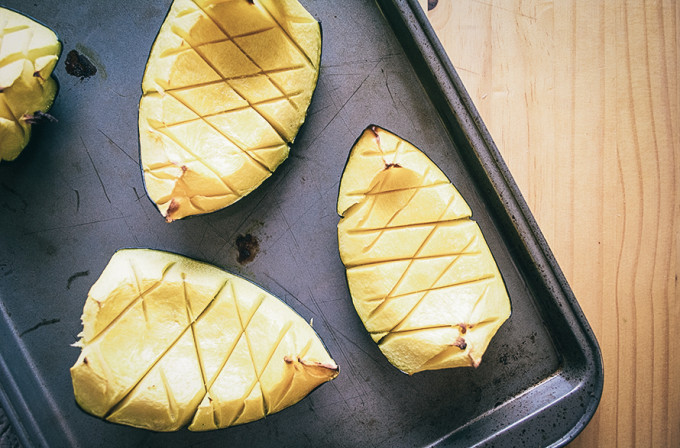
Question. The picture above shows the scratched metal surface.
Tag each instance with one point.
(76, 195)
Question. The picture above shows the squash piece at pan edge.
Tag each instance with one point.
(29, 52)
(421, 276)
(168, 341)
(226, 88)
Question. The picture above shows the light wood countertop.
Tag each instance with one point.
(583, 101)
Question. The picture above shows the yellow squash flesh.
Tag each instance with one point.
(28, 53)
(420, 273)
(168, 341)
(225, 91)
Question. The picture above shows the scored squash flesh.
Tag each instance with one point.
(168, 341)
(226, 88)
(419, 271)
(29, 52)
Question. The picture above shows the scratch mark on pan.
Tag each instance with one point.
(291, 294)
(95, 169)
(378, 361)
(344, 104)
(357, 62)
(280, 174)
(317, 110)
(42, 323)
(288, 226)
(217, 232)
(77, 200)
(118, 93)
(407, 115)
(139, 197)
(387, 84)
(132, 232)
(75, 276)
(334, 335)
(136, 194)
(17, 195)
(117, 146)
(247, 217)
(71, 226)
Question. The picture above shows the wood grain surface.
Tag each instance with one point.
(582, 99)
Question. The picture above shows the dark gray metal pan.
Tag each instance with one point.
(76, 195)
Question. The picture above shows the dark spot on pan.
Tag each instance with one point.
(79, 65)
(47, 247)
(392, 165)
(247, 246)
(533, 337)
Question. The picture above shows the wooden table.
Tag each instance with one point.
(582, 99)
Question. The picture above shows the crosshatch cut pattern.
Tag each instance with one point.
(421, 276)
(227, 87)
(169, 341)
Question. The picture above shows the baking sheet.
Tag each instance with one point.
(76, 196)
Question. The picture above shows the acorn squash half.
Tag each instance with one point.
(420, 273)
(168, 341)
(226, 88)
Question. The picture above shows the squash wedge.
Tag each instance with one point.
(420, 273)
(226, 88)
(168, 341)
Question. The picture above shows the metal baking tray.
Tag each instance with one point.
(75, 196)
